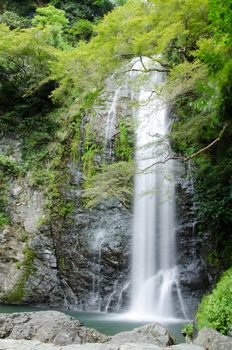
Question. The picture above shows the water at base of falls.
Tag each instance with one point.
(155, 287)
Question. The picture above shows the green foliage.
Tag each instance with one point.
(82, 143)
(13, 20)
(61, 263)
(4, 220)
(221, 17)
(134, 29)
(36, 63)
(17, 293)
(202, 93)
(9, 166)
(4, 216)
(74, 10)
(213, 193)
(114, 181)
(124, 143)
(105, 52)
(215, 309)
(213, 258)
(119, 2)
(87, 9)
(76, 139)
(54, 19)
(188, 330)
(24, 67)
(49, 15)
(24, 236)
(81, 30)
(90, 150)
(22, 8)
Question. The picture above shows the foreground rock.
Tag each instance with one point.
(148, 334)
(213, 340)
(9, 344)
(47, 327)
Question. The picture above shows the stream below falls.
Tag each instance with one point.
(106, 323)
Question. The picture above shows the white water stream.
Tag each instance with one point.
(154, 271)
(111, 120)
(156, 292)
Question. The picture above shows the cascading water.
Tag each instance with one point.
(95, 299)
(111, 120)
(155, 286)
(154, 271)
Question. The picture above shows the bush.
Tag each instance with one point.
(9, 166)
(188, 330)
(215, 310)
(81, 30)
(3, 220)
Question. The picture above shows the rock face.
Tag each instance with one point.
(96, 250)
(213, 340)
(22, 271)
(84, 262)
(194, 277)
(47, 327)
(94, 245)
(149, 334)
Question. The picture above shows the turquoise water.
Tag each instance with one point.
(108, 324)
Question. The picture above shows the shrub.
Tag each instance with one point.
(215, 310)
(81, 30)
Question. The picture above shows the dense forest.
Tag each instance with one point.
(54, 59)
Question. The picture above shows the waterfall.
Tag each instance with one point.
(111, 120)
(95, 298)
(155, 288)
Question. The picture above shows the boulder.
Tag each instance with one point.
(185, 347)
(210, 339)
(9, 344)
(140, 346)
(47, 327)
(149, 334)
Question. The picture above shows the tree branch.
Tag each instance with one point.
(129, 55)
(185, 159)
(144, 71)
(142, 63)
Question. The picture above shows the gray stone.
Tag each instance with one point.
(185, 347)
(48, 327)
(96, 253)
(138, 346)
(150, 334)
(194, 278)
(213, 340)
(9, 344)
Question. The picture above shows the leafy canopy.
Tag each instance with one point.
(49, 15)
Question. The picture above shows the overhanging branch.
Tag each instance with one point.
(165, 70)
(185, 159)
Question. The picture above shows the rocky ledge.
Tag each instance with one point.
(47, 327)
(9, 344)
(53, 330)
(59, 329)
(212, 340)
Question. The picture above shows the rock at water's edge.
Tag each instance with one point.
(149, 334)
(48, 327)
(9, 344)
(213, 340)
